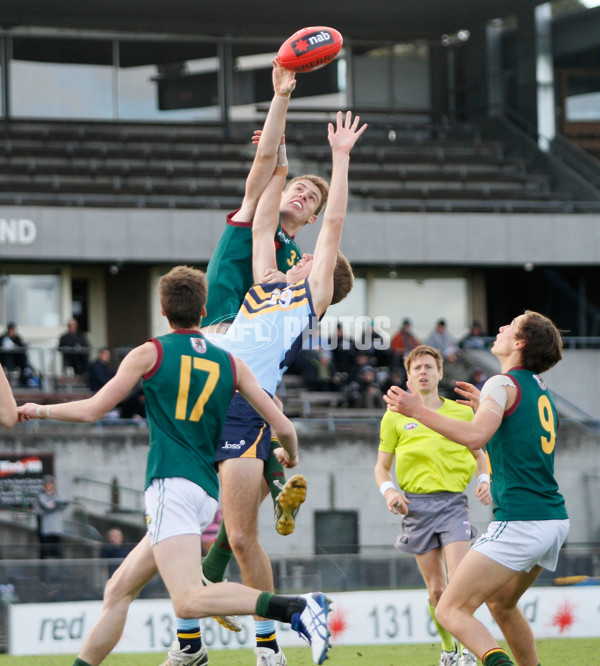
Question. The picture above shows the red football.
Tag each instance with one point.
(310, 48)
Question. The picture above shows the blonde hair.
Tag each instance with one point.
(422, 350)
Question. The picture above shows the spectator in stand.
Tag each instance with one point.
(320, 370)
(114, 549)
(75, 348)
(13, 356)
(478, 377)
(475, 337)
(402, 344)
(134, 406)
(444, 342)
(50, 506)
(364, 390)
(100, 371)
(344, 352)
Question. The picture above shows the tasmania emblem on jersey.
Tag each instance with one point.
(198, 345)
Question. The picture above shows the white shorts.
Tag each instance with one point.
(521, 544)
(177, 506)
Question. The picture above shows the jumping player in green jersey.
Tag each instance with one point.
(432, 472)
(188, 383)
(229, 271)
(517, 420)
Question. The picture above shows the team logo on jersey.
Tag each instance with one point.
(540, 382)
(198, 345)
(282, 238)
(411, 426)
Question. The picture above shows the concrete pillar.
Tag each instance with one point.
(546, 119)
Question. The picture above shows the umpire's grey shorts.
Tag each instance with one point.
(433, 521)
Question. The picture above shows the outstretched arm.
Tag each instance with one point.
(266, 153)
(249, 387)
(473, 434)
(8, 406)
(133, 367)
(341, 139)
(264, 255)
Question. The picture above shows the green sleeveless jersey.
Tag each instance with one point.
(187, 396)
(229, 272)
(522, 455)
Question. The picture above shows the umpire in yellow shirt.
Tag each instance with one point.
(432, 473)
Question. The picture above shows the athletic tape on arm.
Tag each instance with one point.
(494, 389)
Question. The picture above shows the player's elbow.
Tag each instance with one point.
(8, 417)
(475, 441)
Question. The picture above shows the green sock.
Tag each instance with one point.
(274, 471)
(448, 642)
(496, 657)
(80, 662)
(218, 556)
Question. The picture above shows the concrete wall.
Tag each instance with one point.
(339, 469)
(401, 239)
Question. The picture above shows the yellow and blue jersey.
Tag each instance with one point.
(268, 330)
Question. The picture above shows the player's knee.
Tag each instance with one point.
(435, 593)
(443, 614)
(499, 608)
(241, 542)
(183, 608)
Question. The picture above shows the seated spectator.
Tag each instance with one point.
(443, 341)
(364, 390)
(75, 348)
(134, 405)
(100, 371)
(344, 352)
(402, 343)
(114, 547)
(13, 356)
(475, 337)
(319, 370)
(478, 377)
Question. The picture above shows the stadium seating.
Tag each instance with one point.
(402, 166)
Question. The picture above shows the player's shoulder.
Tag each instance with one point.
(393, 419)
(459, 411)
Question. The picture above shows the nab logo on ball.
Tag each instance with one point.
(310, 49)
(311, 42)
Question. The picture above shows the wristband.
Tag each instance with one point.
(483, 478)
(39, 413)
(283, 93)
(386, 485)
(281, 156)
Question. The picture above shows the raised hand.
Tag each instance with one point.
(346, 132)
(470, 394)
(284, 80)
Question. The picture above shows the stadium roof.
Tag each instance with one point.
(395, 20)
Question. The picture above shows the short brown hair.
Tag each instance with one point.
(543, 342)
(343, 279)
(422, 350)
(183, 291)
(322, 185)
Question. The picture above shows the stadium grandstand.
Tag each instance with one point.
(125, 138)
